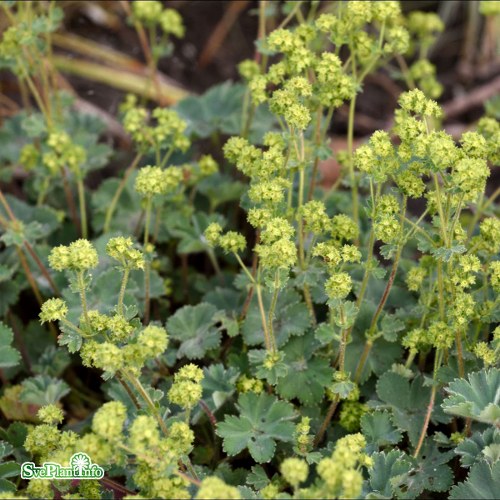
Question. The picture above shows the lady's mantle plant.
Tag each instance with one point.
(259, 336)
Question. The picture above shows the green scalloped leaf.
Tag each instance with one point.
(408, 401)
(479, 445)
(388, 469)
(379, 430)
(43, 390)
(307, 376)
(194, 326)
(291, 318)
(483, 482)
(9, 356)
(477, 398)
(263, 420)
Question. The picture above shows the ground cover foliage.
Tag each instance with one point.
(223, 325)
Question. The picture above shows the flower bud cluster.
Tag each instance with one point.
(340, 474)
(186, 390)
(350, 415)
(63, 153)
(277, 249)
(246, 384)
(122, 250)
(213, 487)
(315, 217)
(303, 440)
(164, 128)
(79, 256)
(152, 181)
(50, 414)
(294, 471)
(489, 128)
(378, 157)
(415, 278)
(151, 13)
(53, 310)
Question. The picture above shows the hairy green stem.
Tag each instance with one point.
(263, 318)
(147, 266)
(83, 208)
(123, 287)
(272, 308)
(83, 295)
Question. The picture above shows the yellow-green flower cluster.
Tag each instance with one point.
(378, 157)
(329, 252)
(343, 228)
(278, 249)
(143, 434)
(151, 13)
(489, 8)
(53, 310)
(463, 275)
(494, 270)
(248, 69)
(489, 230)
(488, 355)
(122, 249)
(259, 217)
(303, 439)
(109, 419)
(294, 471)
(350, 254)
(170, 128)
(333, 86)
(213, 233)
(232, 242)
(50, 414)
(350, 415)
(470, 175)
(415, 101)
(186, 390)
(147, 11)
(315, 217)
(42, 439)
(39, 488)
(423, 73)
(90, 489)
(167, 130)
(340, 473)
(426, 26)
(410, 184)
(153, 341)
(244, 155)
(338, 285)
(415, 277)
(288, 102)
(120, 329)
(248, 384)
(387, 229)
(213, 487)
(269, 192)
(461, 309)
(105, 356)
(29, 156)
(79, 256)
(170, 22)
(154, 180)
(63, 153)
(441, 335)
(418, 340)
(208, 166)
(489, 128)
